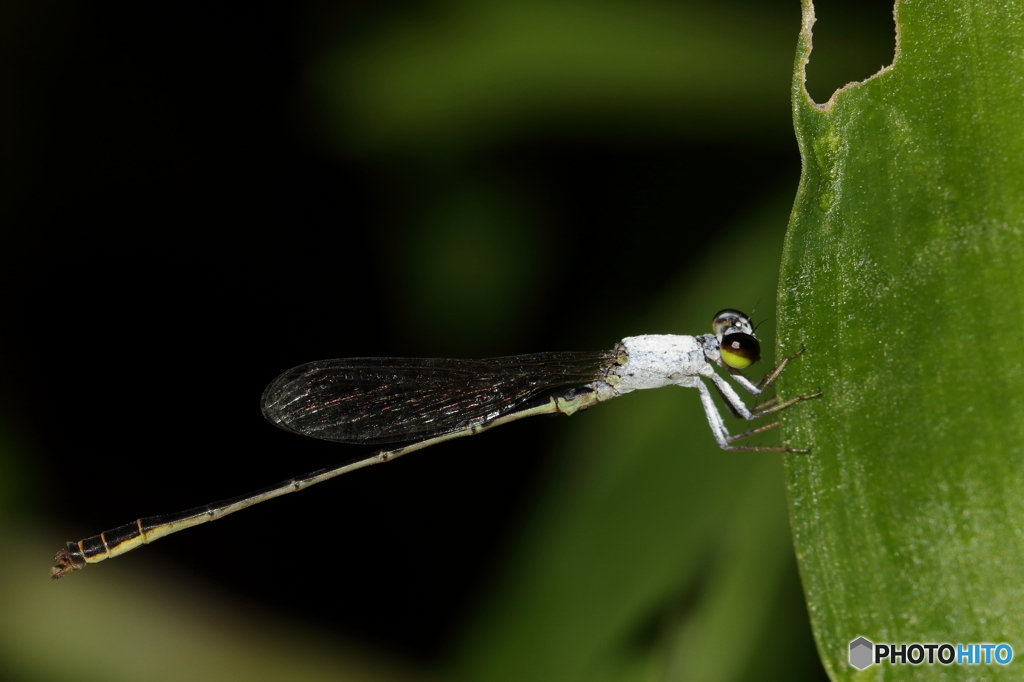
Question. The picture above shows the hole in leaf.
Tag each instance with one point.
(852, 41)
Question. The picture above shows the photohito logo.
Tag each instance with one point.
(863, 652)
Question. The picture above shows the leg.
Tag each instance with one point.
(757, 410)
(736, 405)
(739, 409)
(770, 406)
(767, 379)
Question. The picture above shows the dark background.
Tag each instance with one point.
(180, 226)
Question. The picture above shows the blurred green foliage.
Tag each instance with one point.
(461, 280)
(467, 74)
(902, 276)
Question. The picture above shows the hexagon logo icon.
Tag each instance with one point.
(860, 653)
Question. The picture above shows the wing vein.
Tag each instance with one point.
(386, 400)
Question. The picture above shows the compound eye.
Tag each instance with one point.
(728, 319)
(739, 350)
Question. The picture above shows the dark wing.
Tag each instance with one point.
(385, 400)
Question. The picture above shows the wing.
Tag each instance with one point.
(386, 400)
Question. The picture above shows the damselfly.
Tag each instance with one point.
(423, 402)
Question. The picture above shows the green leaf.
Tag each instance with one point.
(903, 278)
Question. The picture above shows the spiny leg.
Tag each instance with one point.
(766, 404)
(753, 431)
(737, 407)
(722, 435)
(759, 412)
(754, 411)
(761, 429)
(760, 408)
(732, 399)
(728, 401)
(768, 378)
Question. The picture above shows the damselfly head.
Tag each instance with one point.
(730, 321)
(737, 345)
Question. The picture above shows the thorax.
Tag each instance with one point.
(656, 360)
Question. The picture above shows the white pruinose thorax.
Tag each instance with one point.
(656, 360)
